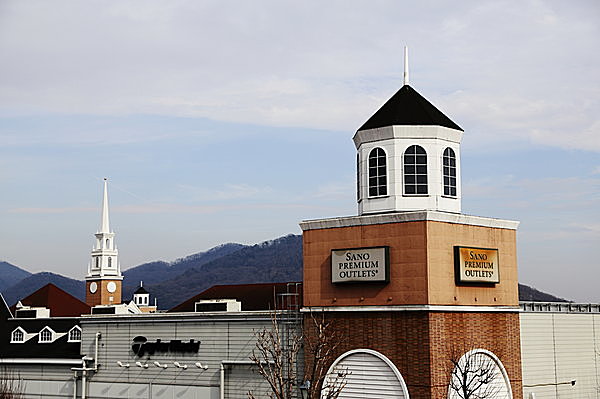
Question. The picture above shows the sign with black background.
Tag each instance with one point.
(476, 265)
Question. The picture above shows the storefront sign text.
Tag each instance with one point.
(142, 347)
(476, 265)
(360, 265)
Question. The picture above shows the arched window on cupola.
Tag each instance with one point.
(415, 171)
(357, 178)
(377, 173)
(449, 172)
(109, 262)
(107, 243)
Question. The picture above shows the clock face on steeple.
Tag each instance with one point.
(111, 287)
(93, 287)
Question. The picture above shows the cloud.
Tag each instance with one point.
(51, 210)
(520, 81)
(552, 195)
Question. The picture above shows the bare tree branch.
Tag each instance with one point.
(277, 352)
(10, 385)
(473, 375)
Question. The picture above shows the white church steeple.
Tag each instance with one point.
(104, 271)
(104, 222)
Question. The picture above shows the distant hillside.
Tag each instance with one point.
(36, 281)
(527, 293)
(279, 260)
(158, 272)
(11, 275)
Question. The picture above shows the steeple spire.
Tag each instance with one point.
(104, 223)
(104, 272)
(405, 65)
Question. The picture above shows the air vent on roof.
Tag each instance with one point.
(218, 305)
(27, 312)
(103, 310)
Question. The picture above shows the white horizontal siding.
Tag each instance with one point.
(220, 340)
(368, 377)
(557, 348)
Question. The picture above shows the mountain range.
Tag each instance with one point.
(171, 283)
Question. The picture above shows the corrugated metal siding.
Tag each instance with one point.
(230, 339)
(241, 379)
(557, 348)
(47, 389)
(369, 377)
(146, 391)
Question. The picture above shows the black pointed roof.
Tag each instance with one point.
(141, 290)
(407, 107)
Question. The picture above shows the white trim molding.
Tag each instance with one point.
(24, 336)
(74, 362)
(403, 217)
(53, 335)
(414, 308)
(69, 334)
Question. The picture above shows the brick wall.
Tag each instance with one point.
(420, 343)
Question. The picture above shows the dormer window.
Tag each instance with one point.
(17, 336)
(377, 173)
(415, 171)
(46, 335)
(449, 172)
(75, 334)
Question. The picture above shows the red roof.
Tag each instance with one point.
(60, 303)
(266, 296)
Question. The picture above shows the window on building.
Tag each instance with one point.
(46, 335)
(18, 336)
(75, 334)
(377, 173)
(449, 172)
(109, 262)
(97, 261)
(415, 171)
(107, 243)
(357, 178)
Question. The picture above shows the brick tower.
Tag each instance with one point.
(411, 284)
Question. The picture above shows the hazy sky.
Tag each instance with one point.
(231, 121)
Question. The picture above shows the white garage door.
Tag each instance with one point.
(369, 375)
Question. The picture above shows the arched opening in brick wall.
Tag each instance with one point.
(479, 374)
(370, 374)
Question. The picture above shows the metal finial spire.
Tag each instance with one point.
(104, 224)
(405, 65)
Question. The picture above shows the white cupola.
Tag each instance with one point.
(408, 157)
(141, 297)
